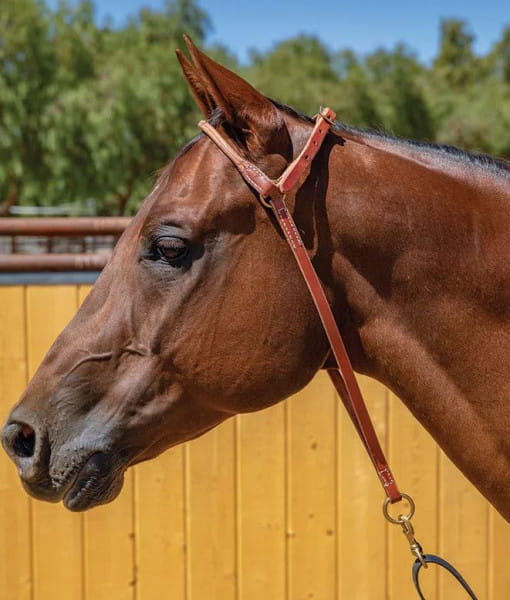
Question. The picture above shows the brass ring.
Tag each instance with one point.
(401, 518)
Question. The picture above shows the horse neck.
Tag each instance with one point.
(420, 277)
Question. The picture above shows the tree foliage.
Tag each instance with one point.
(91, 112)
(88, 112)
(456, 62)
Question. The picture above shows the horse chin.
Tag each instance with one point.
(96, 483)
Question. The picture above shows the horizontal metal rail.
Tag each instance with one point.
(54, 227)
(52, 262)
(64, 226)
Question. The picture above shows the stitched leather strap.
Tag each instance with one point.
(293, 172)
(273, 194)
(250, 172)
(343, 378)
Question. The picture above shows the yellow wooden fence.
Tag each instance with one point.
(277, 505)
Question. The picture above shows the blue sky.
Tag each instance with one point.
(361, 25)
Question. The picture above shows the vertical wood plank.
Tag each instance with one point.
(311, 492)
(108, 543)
(160, 527)
(413, 457)
(15, 552)
(362, 542)
(57, 533)
(463, 531)
(108, 548)
(261, 504)
(499, 550)
(212, 519)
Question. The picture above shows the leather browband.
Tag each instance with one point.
(272, 195)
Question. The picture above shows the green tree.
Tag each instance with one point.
(410, 116)
(28, 72)
(354, 101)
(469, 96)
(499, 57)
(297, 71)
(130, 119)
(89, 112)
(397, 80)
(456, 62)
(480, 119)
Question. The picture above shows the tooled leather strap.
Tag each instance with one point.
(343, 378)
(293, 172)
(250, 172)
(273, 193)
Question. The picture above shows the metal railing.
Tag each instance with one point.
(40, 233)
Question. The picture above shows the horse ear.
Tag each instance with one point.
(197, 86)
(247, 110)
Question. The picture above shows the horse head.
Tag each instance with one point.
(200, 314)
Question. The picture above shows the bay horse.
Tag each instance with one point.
(201, 313)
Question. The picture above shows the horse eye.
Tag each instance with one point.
(171, 249)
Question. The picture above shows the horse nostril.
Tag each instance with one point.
(24, 443)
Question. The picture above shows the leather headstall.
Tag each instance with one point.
(265, 186)
(272, 195)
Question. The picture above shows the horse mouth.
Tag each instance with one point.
(95, 483)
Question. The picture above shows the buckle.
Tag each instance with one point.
(265, 201)
(322, 110)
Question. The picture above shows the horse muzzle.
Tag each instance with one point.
(81, 477)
